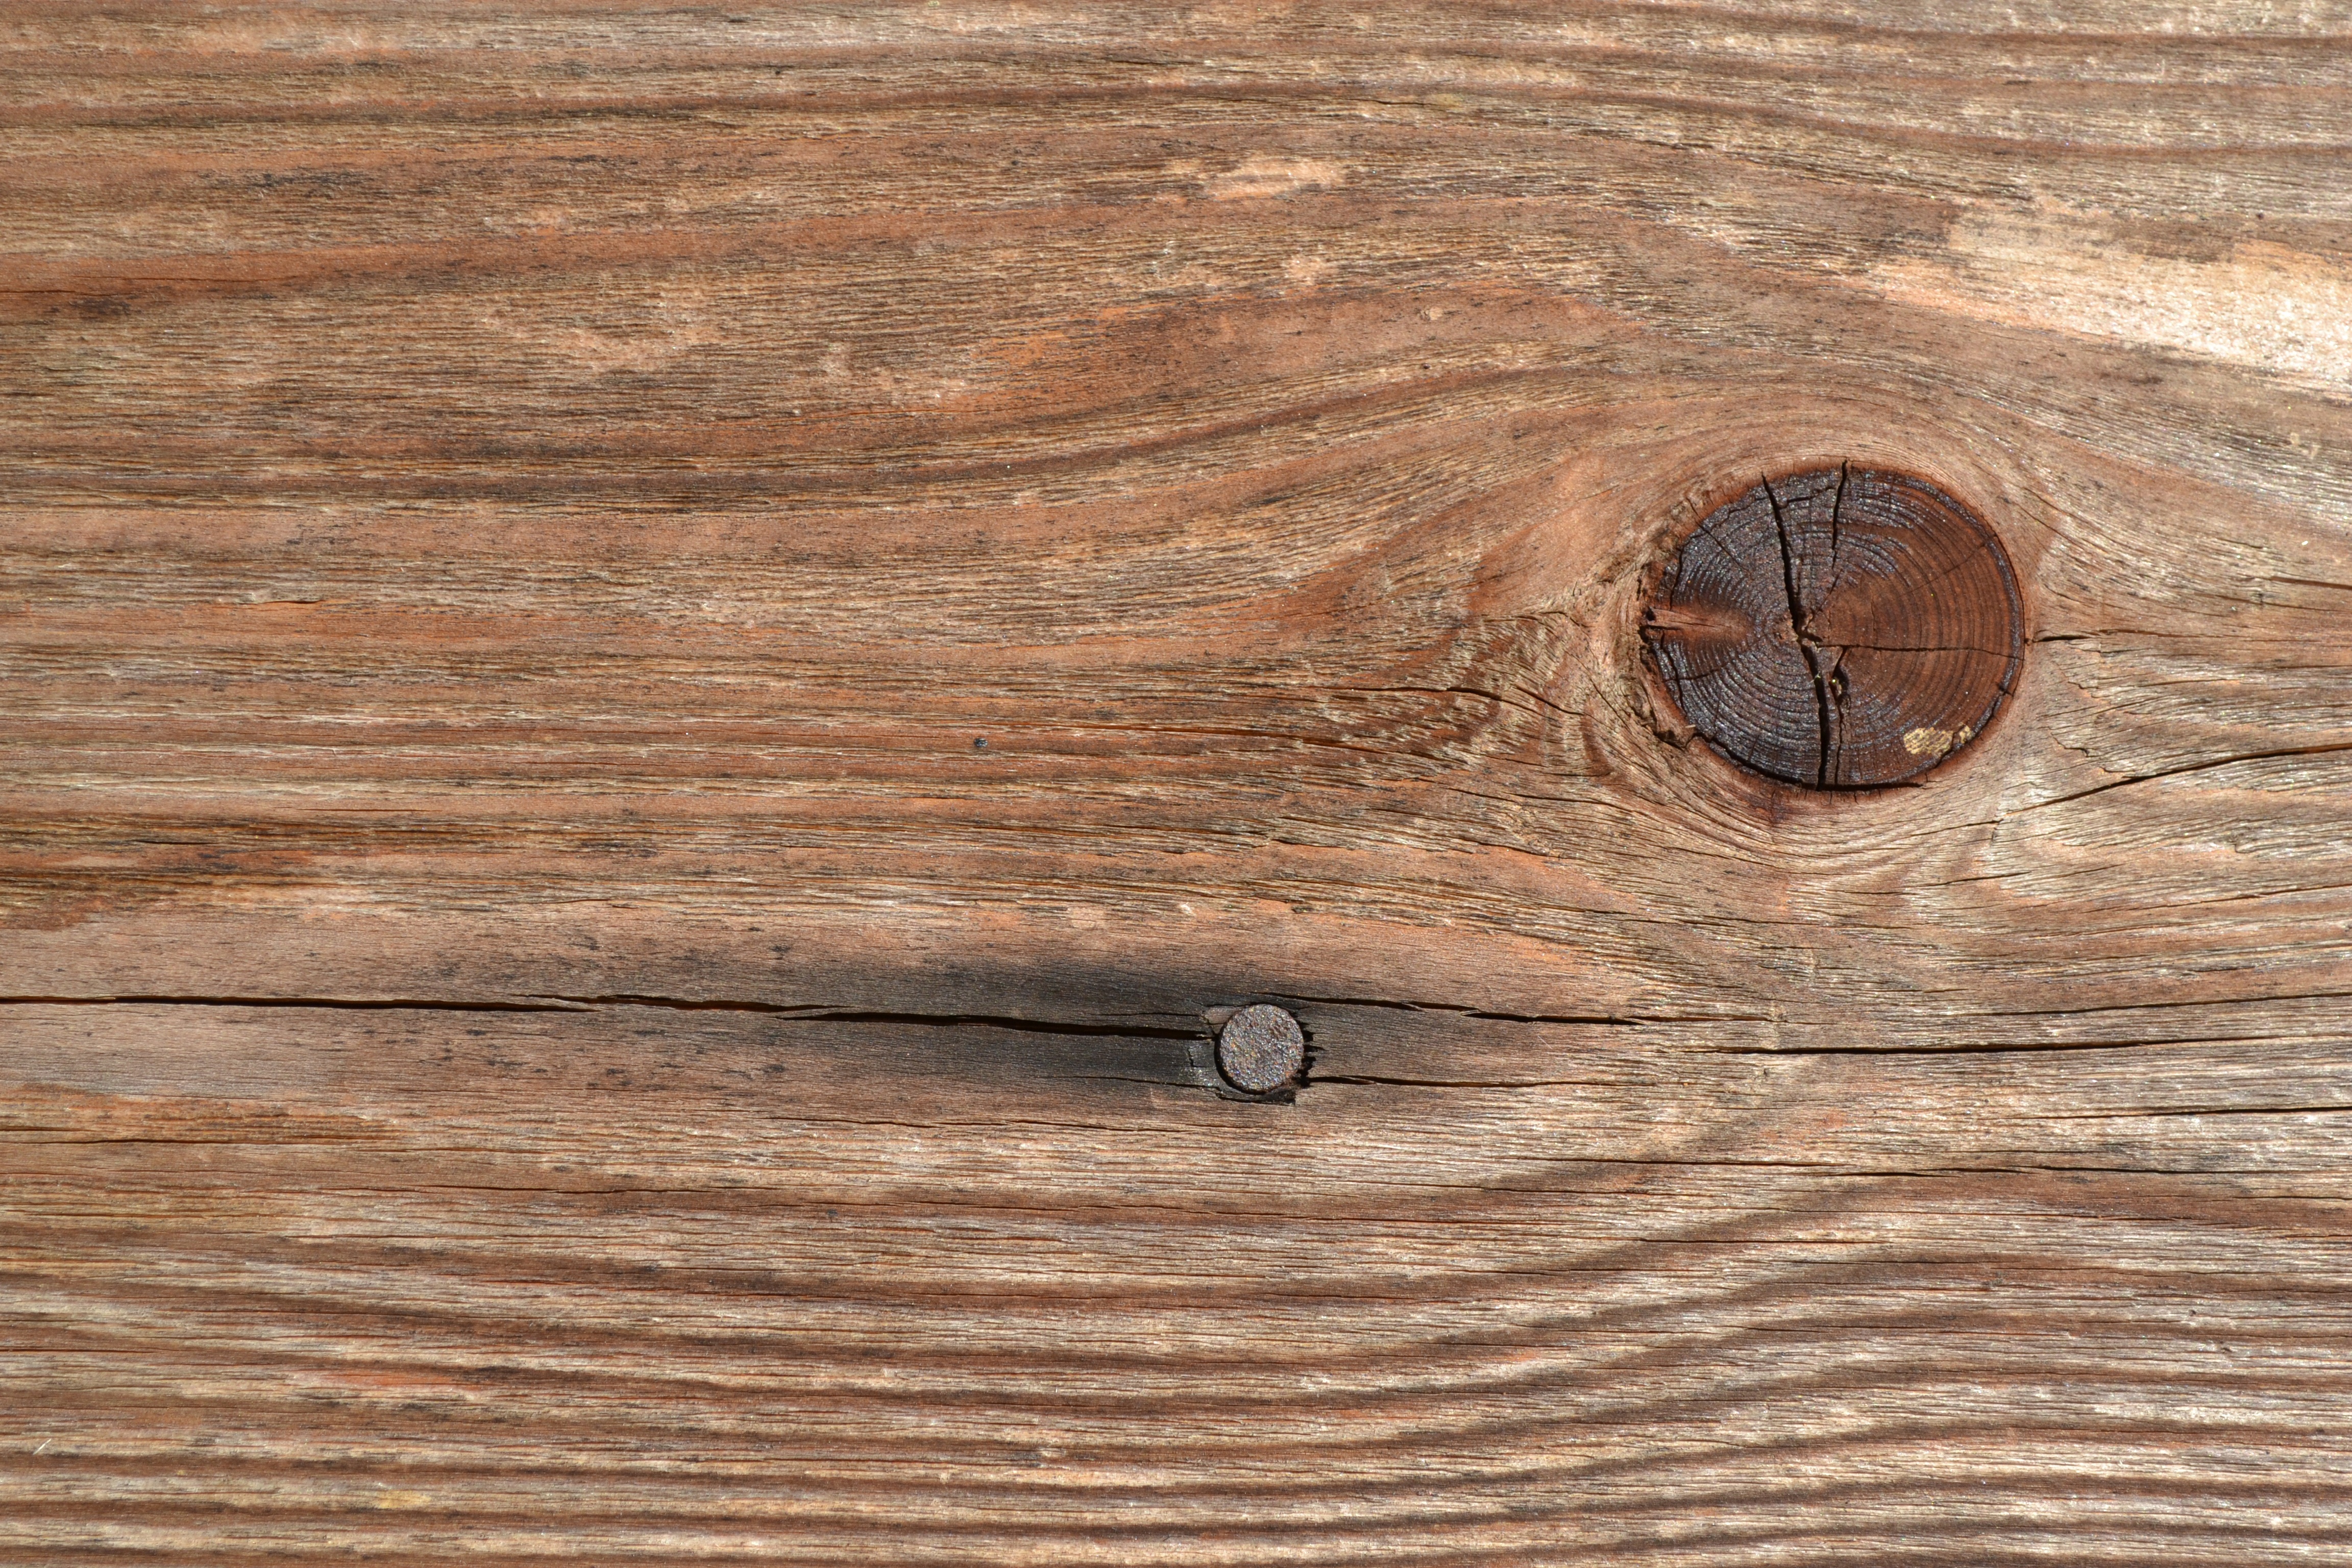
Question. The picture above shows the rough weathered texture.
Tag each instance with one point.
(539, 1033)
(1839, 629)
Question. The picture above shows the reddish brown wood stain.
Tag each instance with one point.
(532, 1032)
(1840, 627)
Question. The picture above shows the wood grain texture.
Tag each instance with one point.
(662, 667)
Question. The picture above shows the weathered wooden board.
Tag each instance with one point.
(661, 667)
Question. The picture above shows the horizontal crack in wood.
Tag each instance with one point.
(798, 1012)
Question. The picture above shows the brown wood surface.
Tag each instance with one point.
(661, 667)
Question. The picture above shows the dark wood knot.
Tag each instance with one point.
(1838, 629)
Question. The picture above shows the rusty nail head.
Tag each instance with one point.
(1261, 1048)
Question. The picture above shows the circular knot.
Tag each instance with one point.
(1838, 629)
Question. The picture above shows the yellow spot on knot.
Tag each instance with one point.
(1928, 741)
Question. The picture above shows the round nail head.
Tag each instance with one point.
(1261, 1048)
(1838, 629)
